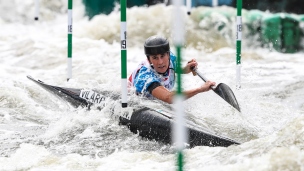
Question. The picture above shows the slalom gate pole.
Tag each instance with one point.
(214, 3)
(188, 7)
(123, 38)
(36, 10)
(238, 43)
(70, 24)
(179, 131)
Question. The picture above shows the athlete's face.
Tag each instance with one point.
(160, 62)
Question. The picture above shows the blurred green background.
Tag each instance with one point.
(278, 24)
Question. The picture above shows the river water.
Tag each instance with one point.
(41, 132)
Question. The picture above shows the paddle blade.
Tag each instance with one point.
(226, 93)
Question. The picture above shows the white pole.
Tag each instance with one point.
(36, 10)
(188, 7)
(179, 130)
(214, 3)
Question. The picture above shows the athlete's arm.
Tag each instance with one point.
(161, 93)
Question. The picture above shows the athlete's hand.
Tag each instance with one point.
(191, 64)
(207, 86)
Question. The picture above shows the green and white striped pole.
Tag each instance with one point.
(70, 24)
(238, 43)
(123, 38)
(36, 10)
(179, 131)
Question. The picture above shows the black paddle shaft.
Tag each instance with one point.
(222, 90)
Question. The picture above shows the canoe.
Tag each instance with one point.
(151, 123)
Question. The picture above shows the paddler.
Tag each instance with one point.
(155, 76)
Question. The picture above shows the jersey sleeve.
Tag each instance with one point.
(144, 79)
(173, 60)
